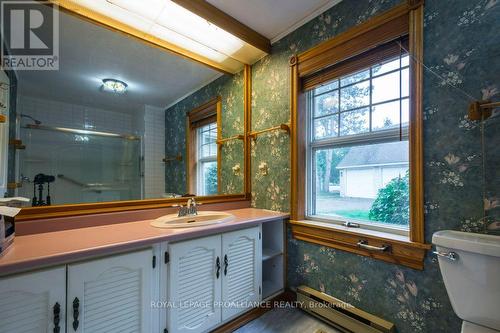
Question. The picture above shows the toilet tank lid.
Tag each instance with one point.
(468, 241)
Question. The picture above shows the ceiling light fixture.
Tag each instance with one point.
(114, 85)
(168, 22)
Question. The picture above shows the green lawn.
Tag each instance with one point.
(353, 214)
(333, 204)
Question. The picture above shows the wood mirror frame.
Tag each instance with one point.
(35, 213)
(66, 210)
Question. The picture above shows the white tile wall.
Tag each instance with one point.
(54, 113)
(148, 122)
(154, 152)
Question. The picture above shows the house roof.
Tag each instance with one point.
(382, 153)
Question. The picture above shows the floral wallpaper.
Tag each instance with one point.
(230, 88)
(459, 193)
(232, 169)
(416, 301)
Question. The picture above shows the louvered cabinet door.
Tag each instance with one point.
(111, 295)
(194, 287)
(33, 302)
(242, 262)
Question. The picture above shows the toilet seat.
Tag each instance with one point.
(468, 327)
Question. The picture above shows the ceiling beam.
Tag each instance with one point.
(224, 21)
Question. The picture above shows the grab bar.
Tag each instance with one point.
(76, 182)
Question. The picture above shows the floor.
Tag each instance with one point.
(286, 320)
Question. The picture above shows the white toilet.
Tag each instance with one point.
(470, 265)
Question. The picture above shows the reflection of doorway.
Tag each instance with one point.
(4, 131)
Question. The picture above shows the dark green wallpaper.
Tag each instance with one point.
(462, 45)
(230, 88)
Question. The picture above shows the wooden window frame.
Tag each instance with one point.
(201, 113)
(403, 20)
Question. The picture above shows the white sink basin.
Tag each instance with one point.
(203, 218)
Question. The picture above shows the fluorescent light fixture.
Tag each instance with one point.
(175, 24)
(114, 85)
(171, 23)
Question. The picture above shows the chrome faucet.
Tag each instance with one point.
(192, 207)
(189, 210)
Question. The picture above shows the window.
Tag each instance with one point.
(202, 149)
(356, 139)
(207, 159)
(358, 151)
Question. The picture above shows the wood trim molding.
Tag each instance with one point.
(416, 135)
(36, 213)
(247, 105)
(401, 250)
(190, 156)
(227, 23)
(297, 193)
(219, 147)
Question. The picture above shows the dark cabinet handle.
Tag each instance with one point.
(226, 263)
(76, 313)
(57, 312)
(217, 264)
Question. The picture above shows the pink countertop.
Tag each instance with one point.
(31, 252)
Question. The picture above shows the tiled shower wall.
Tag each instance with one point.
(55, 113)
(148, 122)
(154, 152)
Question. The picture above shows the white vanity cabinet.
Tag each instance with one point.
(241, 280)
(211, 278)
(190, 286)
(111, 294)
(33, 302)
(194, 286)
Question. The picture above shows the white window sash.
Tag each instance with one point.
(373, 137)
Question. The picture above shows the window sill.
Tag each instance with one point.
(400, 251)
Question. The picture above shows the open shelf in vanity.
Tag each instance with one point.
(273, 257)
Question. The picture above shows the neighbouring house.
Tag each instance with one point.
(366, 169)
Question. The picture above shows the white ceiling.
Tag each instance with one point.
(90, 53)
(273, 18)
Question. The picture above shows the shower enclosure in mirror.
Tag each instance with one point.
(110, 124)
(86, 166)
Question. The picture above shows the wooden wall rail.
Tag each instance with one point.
(281, 127)
(235, 137)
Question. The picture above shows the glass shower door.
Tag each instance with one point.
(87, 167)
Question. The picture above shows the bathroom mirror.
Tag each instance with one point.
(123, 120)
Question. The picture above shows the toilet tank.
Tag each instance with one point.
(473, 279)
